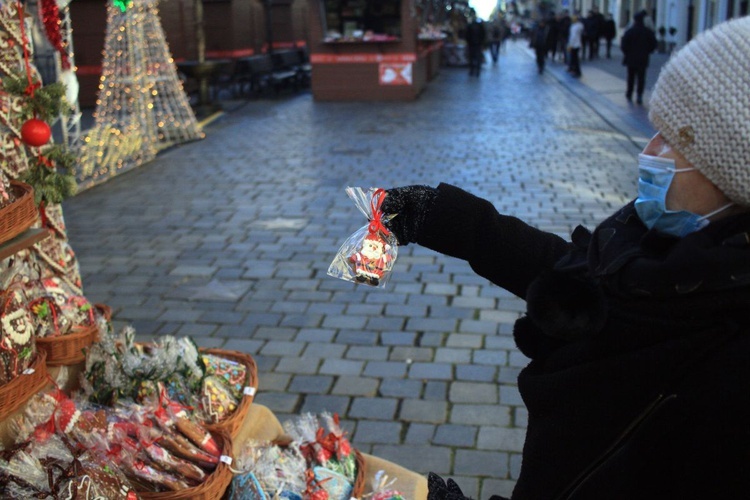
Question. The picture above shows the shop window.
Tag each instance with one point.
(368, 20)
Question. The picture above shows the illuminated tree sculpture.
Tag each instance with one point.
(142, 107)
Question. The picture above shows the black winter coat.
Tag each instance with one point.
(639, 380)
(637, 44)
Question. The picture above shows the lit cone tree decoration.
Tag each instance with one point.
(27, 152)
(142, 107)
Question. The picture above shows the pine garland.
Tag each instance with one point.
(45, 103)
(51, 174)
(50, 185)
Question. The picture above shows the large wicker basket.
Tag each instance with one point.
(212, 488)
(70, 349)
(232, 424)
(359, 483)
(358, 488)
(21, 388)
(18, 216)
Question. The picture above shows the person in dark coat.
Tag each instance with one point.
(540, 42)
(637, 44)
(609, 32)
(637, 332)
(554, 34)
(495, 41)
(563, 32)
(475, 38)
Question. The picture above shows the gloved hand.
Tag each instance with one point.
(437, 489)
(410, 204)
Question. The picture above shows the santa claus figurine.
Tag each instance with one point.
(372, 261)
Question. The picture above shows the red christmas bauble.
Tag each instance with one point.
(36, 132)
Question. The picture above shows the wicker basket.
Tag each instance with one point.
(231, 425)
(358, 488)
(70, 349)
(359, 482)
(21, 388)
(212, 488)
(18, 216)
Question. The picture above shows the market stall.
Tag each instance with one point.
(371, 51)
(86, 411)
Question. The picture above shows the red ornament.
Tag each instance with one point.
(36, 132)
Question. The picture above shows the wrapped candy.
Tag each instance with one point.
(56, 308)
(117, 367)
(58, 468)
(266, 471)
(233, 374)
(218, 401)
(7, 196)
(335, 484)
(381, 488)
(17, 346)
(368, 255)
(324, 445)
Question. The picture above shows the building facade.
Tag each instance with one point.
(681, 19)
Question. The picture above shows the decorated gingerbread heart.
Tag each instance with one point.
(17, 346)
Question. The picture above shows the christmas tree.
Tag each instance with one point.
(28, 155)
(142, 107)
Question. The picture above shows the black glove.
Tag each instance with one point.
(410, 206)
(437, 489)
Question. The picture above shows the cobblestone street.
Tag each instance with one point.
(228, 240)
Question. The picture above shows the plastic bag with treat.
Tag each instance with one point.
(369, 254)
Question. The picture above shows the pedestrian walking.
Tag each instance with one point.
(609, 31)
(574, 46)
(563, 33)
(475, 39)
(591, 35)
(637, 44)
(495, 41)
(539, 41)
(637, 333)
(554, 33)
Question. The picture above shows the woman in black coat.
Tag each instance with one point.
(637, 44)
(638, 332)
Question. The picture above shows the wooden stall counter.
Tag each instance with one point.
(367, 71)
(262, 425)
(366, 51)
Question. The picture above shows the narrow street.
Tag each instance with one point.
(228, 240)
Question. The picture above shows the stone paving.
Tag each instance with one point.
(228, 240)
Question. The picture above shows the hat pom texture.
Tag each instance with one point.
(701, 105)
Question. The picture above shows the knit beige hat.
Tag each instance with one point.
(701, 105)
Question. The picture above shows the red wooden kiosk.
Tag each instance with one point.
(367, 50)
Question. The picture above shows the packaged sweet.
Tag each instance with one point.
(17, 345)
(233, 374)
(117, 367)
(218, 401)
(368, 255)
(382, 487)
(54, 466)
(323, 442)
(265, 471)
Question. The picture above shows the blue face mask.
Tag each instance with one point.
(655, 175)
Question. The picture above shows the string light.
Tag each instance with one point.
(142, 107)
